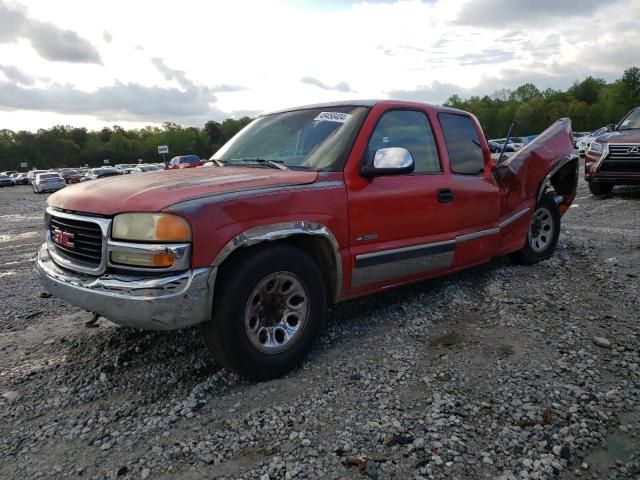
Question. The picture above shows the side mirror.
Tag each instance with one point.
(611, 127)
(388, 161)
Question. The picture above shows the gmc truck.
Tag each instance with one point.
(306, 207)
(614, 158)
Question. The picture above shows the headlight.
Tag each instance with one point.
(150, 227)
(596, 148)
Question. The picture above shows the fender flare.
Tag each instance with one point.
(279, 231)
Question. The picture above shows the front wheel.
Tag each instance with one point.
(268, 309)
(543, 234)
(600, 188)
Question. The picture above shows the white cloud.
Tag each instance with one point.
(50, 41)
(233, 57)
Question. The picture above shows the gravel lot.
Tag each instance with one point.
(492, 373)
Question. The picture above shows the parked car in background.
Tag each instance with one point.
(31, 174)
(96, 173)
(515, 142)
(71, 176)
(145, 169)
(585, 141)
(185, 161)
(313, 206)
(47, 182)
(496, 147)
(21, 179)
(613, 158)
(577, 136)
(123, 166)
(6, 181)
(8, 173)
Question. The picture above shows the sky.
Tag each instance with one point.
(134, 63)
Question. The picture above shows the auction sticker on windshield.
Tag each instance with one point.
(332, 117)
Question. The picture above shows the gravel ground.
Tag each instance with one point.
(502, 371)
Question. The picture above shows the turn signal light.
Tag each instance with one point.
(171, 229)
(158, 260)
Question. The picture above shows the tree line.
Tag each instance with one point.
(64, 146)
(591, 103)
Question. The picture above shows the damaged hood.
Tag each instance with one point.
(152, 192)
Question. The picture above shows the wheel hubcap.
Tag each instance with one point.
(541, 230)
(276, 312)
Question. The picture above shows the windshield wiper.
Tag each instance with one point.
(273, 163)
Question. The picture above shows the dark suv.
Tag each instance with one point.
(614, 158)
(185, 161)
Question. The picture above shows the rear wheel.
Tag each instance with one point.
(542, 237)
(600, 188)
(268, 309)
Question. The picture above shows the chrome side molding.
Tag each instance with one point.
(512, 218)
(399, 262)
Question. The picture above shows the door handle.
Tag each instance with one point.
(445, 195)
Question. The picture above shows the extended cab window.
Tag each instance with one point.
(411, 130)
(463, 144)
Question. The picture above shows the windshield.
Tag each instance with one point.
(313, 139)
(49, 175)
(632, 121)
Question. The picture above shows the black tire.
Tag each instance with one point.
(543, 234)
(232, 340)
(600, 188)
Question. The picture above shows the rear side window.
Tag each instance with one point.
(463, 144)
(411, 130)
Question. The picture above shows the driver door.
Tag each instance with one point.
(401, 226)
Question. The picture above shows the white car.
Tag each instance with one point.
(515, 142)
(145, 168)
(585, 142)
(31, 174)
(48, 182)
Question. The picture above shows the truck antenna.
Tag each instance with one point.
(504, 146)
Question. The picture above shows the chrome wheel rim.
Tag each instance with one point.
(277, 312)
(541, 230)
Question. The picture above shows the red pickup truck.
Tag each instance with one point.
(307, 207)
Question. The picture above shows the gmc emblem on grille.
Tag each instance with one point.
(63, 239)
(633, 150)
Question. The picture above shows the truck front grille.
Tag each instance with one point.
(622, 158)
(77, 242)
(87, 240)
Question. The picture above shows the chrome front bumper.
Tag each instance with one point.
(166, 302)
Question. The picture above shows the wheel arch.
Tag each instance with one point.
(563, 180)
(313, 238)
